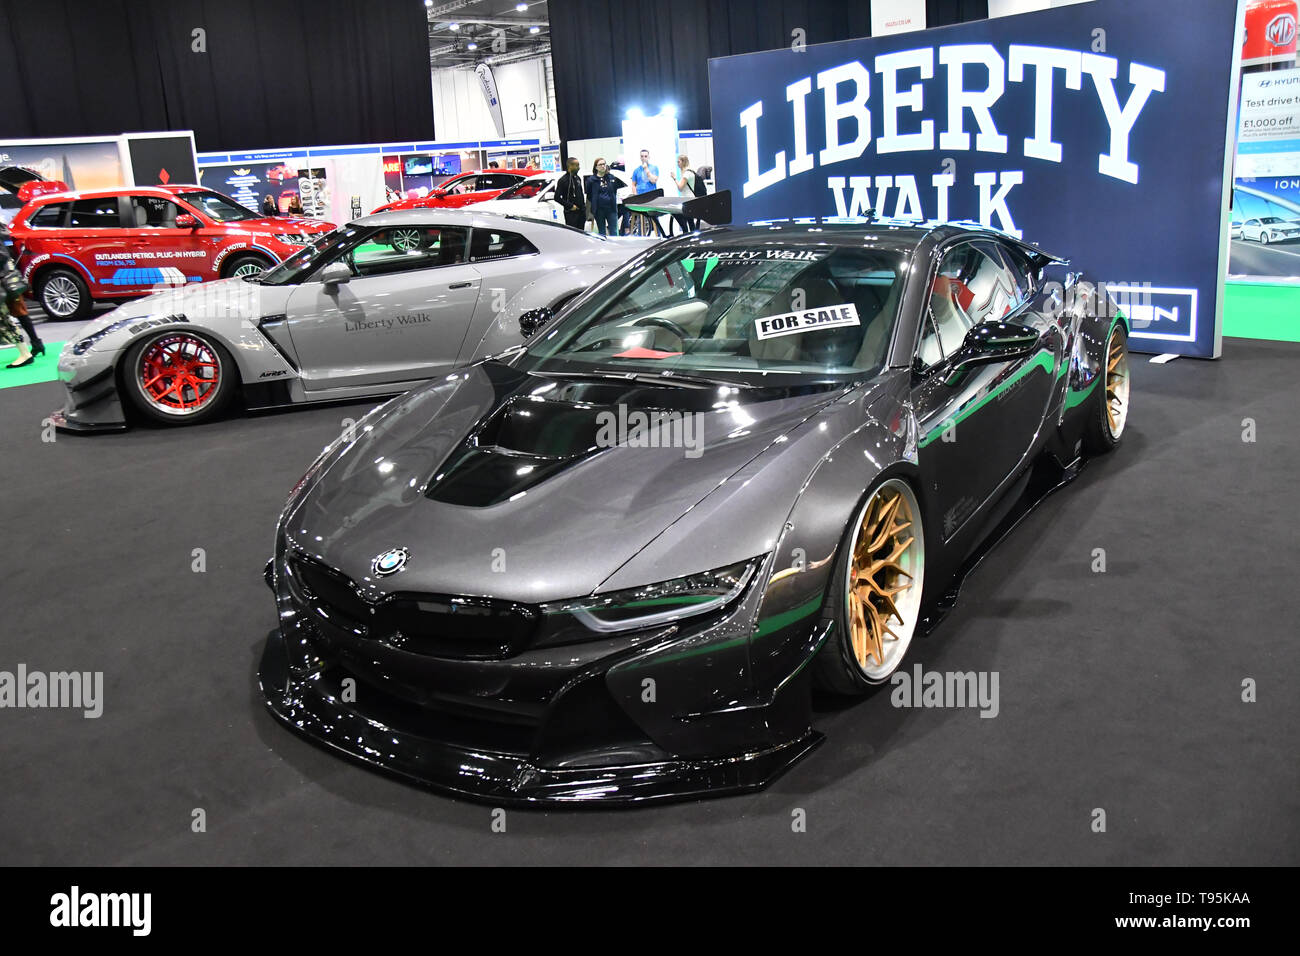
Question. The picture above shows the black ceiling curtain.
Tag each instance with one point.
(609, 57)
(276, 72)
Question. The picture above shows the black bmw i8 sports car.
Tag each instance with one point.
(611, 565)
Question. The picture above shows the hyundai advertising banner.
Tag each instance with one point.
(1266, 196)
(1098, 131)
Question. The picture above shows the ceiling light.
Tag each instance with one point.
(471, 45)
(534, 29)
(521, 7)
(453, 26)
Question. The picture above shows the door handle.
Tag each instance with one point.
(460, 285)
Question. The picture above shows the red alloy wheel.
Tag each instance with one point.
(179, 374)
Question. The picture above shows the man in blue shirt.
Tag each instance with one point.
(645, 177)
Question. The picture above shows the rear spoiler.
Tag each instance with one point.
(714, 209)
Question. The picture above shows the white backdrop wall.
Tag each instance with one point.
(460, 113)
(587, 151)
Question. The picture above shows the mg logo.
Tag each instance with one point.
(1281, 30)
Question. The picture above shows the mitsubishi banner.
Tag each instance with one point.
(1098, 131)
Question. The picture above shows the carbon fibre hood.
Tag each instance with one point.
(488, 505)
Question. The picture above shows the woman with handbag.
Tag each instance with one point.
(12, 287)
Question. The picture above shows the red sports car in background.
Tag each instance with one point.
(75, 248)
(281, 173)
(465, 189)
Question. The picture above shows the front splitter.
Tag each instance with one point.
(60, 421)
(305, 706)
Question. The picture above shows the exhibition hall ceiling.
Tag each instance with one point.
(463, 33)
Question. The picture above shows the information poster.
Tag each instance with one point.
(1266, 189)
(268, 186)
(91, 165)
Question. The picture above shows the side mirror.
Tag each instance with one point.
(186, 221)
(993, 341)
(534, 319)
(334, 275)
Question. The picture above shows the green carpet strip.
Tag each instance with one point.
(44, 369)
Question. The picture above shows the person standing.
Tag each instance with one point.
(690, 186)
(646, 176)
(571, 196)
(12, 287)
(10, 335)
(602, 197)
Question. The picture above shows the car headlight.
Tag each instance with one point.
(647, 607)
(85, 345)
(294, 239)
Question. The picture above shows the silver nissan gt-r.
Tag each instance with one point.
(378, 306)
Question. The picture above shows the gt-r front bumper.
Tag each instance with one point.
(93, 403)
(669, 715)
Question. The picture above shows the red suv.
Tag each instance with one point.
(466, 189)
(79, 247)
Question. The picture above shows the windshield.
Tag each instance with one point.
(743, 312)
(1269, 220)
(219, 207)
(303, 262)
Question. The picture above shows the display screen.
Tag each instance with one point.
(418, 165)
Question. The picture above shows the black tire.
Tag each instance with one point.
(132, 381)
(835, 668)
(1099, 433)
(63, 294)
(244, 261)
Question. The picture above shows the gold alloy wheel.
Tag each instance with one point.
(1117, 384)
(883, 593)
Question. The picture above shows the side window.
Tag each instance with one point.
(930, 350)
(490, 244)
(49, 217)
(497, 181)
(1018, 270)
(462, 186)
(95, 214)
(152, 212)
(529, 190)
(951, 297)
(404, 249)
